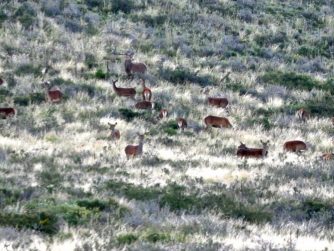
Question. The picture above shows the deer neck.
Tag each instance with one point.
(114, 86)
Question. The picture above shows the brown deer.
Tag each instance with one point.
(182, 123)
(147, 93)
(144, 105)
(163, 114)
(123, 92)
(302, 114)
(219, 102)
(52, 93)
(131, 67)
(294, 146)
(215, 121)
(327, 156)
(244, 151)
(7, 112)
(114, 134)
(135, 150)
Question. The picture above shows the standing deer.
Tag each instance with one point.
(327, 156)
(294, 146)
(145, 105)
(182, 123)
(302, 114)
(123, 92)
(163, 114)
(7, 112)
(52, 93)
(215, 121)
(147, 93)
(219, 102)
(131, 67)
(114, 134)
(244, 151)
(135, 150)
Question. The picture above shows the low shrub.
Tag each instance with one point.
(128, 114)
(126, 239)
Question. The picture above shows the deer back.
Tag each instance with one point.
(217, 121)
(294, 146)
(220, 102)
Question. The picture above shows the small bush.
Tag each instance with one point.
(128, 114)
(125, 6)
(25, 69)
(21, 100)
(93, 204)
(154, 236)
(126, 239)
(170, 128)
(90, 60)
(37, 98)
(290, 80)
(100, 74)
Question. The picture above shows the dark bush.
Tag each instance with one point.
(25, 69)
(128, 114)
(125, 6)
(21, 100)
(290, 80)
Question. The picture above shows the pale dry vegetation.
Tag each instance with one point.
(66, 185)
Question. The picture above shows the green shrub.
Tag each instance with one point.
(39, 221)
(290, 80)
(37, 98)
(26, 15)
(126, 239)
(3, 17)
(90, 60)
(8, 196)
(128, 114)
(21, 100)
(25, 69)
(93, 204)
(154, 236)
(170, 127)
(125, 6)
(99, 74)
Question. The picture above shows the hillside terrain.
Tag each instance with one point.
(66, 184)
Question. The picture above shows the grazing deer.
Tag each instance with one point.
(123, 92)
(144, 105)
(182, 123)
(294, 146)
(302, 114)
(215, 121)
(163, 114)
(244, 151)
(52, 93)
(114, 134)
(219, 102)
(327, 156)
(131, 67)
(135, 150)
(7, 112)
(147, 93)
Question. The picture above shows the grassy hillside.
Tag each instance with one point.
(65, 185)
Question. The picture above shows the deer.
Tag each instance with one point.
(182, 123)
(135, 150)
(7, 112)
(163, 114)
(144, 105)
(131, 67)
(215, 121)
(123, 92)
(244, 151)
(302, 114)
(219, 102)
(294, 146)
(52, 93)
(114, 134)
(327, 156)
(147, 93)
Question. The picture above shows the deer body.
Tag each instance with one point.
(302, 114)
(294, 146)
(131, 67)
(147, 93)
(114, 134)
(163, 114)
(135, 150)
(219, 102)
(123, 92)
(215, 121)
(182, 123)
(7, 112)
(327, 156)
(244, 151)
(52, 94)
(144, 105)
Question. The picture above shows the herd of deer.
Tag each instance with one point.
(54, 95)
